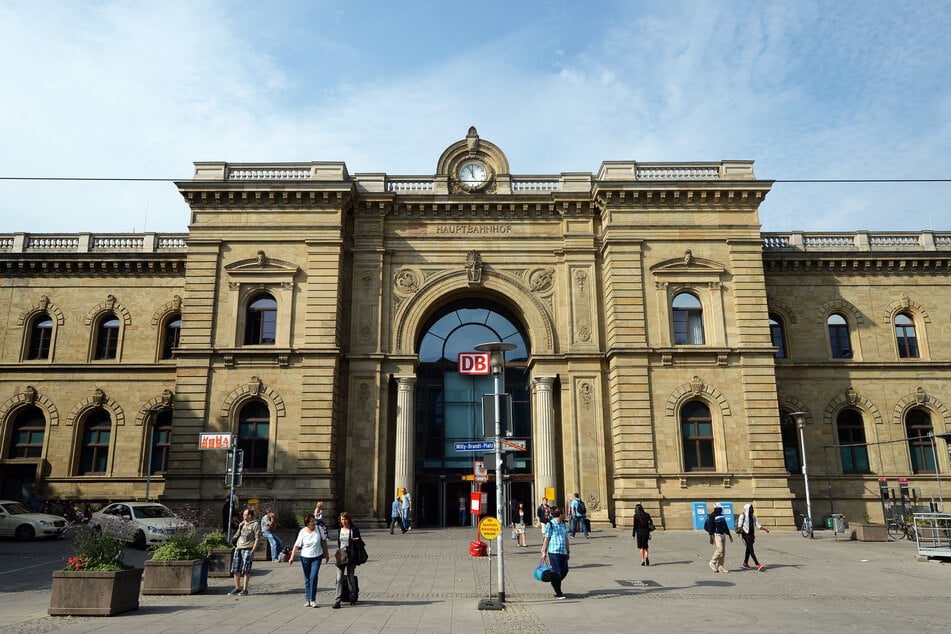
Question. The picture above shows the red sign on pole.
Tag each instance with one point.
(475, 363)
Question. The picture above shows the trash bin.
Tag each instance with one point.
(837, 523)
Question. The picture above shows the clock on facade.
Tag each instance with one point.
(473, 174)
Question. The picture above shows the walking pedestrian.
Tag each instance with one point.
(462, 510)
(396, 516)
(555, 548)
(519, 524)
(268, 524)
(312, 543)
(643, 525)
(346, 536)
(249, 533)
(717, 527)
(578, 512)
(746, 527)
(406, 507)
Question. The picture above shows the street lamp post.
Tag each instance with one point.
(800, 419)
(497, 362)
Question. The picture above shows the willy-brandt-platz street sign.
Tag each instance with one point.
(508, 444)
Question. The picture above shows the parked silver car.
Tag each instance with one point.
(142, 524)
(18, 521)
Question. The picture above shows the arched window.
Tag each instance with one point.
(171, 336)
(254, 422)
(777, 335)
(94, 452)
(29, 431)
(41, 334)
(107, 337)
(905, 335)
(161, 441)
(917, 428)
(790, 435)
(688, 319)
(449, 404)
(696, 426)
(852, 446)
(261, 320)
(839, 338)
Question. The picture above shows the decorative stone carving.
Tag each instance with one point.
(29, 394)
(168, 398)
(177, 302)
(363, 397)
(262, 259)
(584, 334)
(696, 385)
(581, 279)
(688, 257)
(921, 397)
(407, 281)
(98, 397)
(587, 393)
(851, 396)
(234, 286)
(540, 280)
(474, 267)
(254, 387)
(110, 302)
(905, 301)
(44, 302)
(366, 279)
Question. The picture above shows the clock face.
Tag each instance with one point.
(472, 173)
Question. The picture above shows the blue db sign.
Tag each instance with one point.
(474, 363)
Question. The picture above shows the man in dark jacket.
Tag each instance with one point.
(719, 532)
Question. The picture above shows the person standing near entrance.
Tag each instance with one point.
(396, 515)
(543, 514)
(406, 507)
(519, 518)
(462, 510)
(578, 512)
(555, 549)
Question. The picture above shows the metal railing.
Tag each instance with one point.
(933, 534)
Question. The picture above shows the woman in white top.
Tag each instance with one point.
(312, 543)
(345, 574)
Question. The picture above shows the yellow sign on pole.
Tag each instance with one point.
(550, 494)
(490, 527)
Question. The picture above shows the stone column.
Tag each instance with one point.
(405, 434)
(543, 435)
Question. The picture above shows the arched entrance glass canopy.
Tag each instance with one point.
(449, 405)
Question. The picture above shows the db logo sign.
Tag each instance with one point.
(474, 363)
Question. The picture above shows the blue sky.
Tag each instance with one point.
(808, 90)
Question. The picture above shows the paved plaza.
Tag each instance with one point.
(426, 581)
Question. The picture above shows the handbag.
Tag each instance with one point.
(359, 553)
(543, 572)
(342, 557)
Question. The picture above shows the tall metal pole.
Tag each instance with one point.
(937, 473)
(497, 350)
(800, 418)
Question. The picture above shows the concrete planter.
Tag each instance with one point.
(175, 577)
(869, 532)
(219, 563)
(104, 593)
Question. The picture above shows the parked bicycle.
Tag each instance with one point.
(806, 522)
(899, 527)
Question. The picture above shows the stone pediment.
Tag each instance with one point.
(689, 265)
(262, 266)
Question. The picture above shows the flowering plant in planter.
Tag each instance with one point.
(96, 550)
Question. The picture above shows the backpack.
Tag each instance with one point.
(708, 524)
(580, 508)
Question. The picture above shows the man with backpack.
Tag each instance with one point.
(578, 512)
(718, 529)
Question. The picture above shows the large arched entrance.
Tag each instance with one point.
(449, 409)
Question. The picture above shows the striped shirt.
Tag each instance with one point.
(557, 535)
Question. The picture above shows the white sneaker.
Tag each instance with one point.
(713, 566)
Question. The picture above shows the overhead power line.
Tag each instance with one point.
(172, 180)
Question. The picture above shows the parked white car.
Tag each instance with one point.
(142, 524)
(18, 521)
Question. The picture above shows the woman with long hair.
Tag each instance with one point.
(347, 535)
(312, 543)
(643, 525)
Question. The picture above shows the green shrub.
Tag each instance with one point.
(215, 539)
(182, 546)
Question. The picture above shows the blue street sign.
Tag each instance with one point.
(475, 445)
